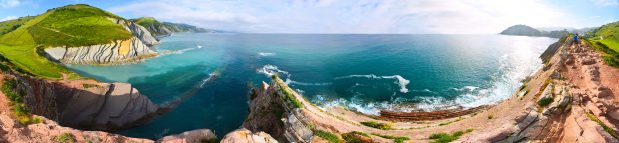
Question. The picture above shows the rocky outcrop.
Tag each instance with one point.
(86, 104)
(246, 136)
(194, 136)
(50, 131)
(122, 51)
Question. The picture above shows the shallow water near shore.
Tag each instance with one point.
(209, 75)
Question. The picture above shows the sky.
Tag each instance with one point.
(349, 16)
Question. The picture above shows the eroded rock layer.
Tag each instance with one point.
(116, 52)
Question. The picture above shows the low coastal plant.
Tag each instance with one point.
(352, 137)
(490, 116)
(445, 137)
(394, 138)
(545, 101)
(64, 138)
(86, 85)
(382, 126)
(332, 138)
(609, 130)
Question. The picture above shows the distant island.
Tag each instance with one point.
(524, 30)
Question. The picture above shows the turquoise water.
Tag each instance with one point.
(210, 73)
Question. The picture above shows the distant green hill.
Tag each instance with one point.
(166, 28)
(72, 25)
(523, 30)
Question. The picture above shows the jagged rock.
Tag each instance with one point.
(11, 131)
(103, 107)
(194, 136)
(246, 136)
(588, 61)
(115, 52)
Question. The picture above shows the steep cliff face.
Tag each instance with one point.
(122, 51)
(86, 104)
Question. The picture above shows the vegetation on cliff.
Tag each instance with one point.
(606, 40)
(17, 103)
(72, 25)
(166, 28)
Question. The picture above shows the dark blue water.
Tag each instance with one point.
(366, 73)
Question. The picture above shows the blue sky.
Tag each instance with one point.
(348, 16)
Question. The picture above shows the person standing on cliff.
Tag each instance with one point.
(575, 40)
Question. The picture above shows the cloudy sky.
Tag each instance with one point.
(349, 16)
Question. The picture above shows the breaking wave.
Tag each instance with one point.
(266, 54)
(399, 80)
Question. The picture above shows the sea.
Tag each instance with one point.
(207, 76)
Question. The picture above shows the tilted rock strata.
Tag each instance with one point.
(102, 106)
(193, 136)
(116, 52)
(11, 131)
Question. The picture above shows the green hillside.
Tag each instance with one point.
(157, 28)
(72, 25)
(10, 25)
(606, 40)
(609, 35)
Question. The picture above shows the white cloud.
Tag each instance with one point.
(9, 3)
(610, 3)
(362, 16)
(8, 18)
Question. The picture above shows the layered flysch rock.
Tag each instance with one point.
(87, 104)
(116, 52)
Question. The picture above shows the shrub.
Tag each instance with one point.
(490, 116)
(609, 130)
(395, 138)
(353, 137)
(545, 101)
(445, 137)
(332, 138)
(64, 138)
(382, 126)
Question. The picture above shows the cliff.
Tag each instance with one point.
(116, 52)
(161, 29)
(572, 99)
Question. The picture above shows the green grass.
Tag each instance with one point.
(350, 137)
(10, 25)
(445, 137)
(609, 130)
(394, 138)
(64, 138)
(545, 101)
(610, 56)
(72, 25)
(332, 138)
(288, 95)
(77, 25)
(16, 102)
(382, 126)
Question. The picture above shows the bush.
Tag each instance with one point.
(64, 138)
(382, 126)
(395, 138)
(545, 101)
(609, 130)
(332, 138)
(353, 137)
(445, 137)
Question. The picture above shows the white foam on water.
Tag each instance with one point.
(400, 81)
(183, 50)
(266, 54)
(210, 77)
(270, 70)
(199, 46)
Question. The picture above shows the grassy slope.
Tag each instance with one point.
(606, 40)
(610, 32)
(10, 25)
(73, 25)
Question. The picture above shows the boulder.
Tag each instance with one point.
(246, 136)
